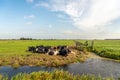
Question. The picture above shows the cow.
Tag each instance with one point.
(64, 51)
(47, 49)
(40, 49)
(51, 52)
(32, 49)
(59, 50)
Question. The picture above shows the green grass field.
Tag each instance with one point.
(19, 47)
(106, 48)
(14, 53)
(110, 45)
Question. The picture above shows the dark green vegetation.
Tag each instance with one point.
(107, 48)
(55, 75)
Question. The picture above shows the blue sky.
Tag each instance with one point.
(68, 19)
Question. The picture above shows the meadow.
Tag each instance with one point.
(105, 48)
(19, 47)
(14, 53)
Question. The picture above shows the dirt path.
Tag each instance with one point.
(93, 55)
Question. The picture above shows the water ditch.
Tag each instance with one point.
(105, 68)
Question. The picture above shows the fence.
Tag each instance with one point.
(82, 46)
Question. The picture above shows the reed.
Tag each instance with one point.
(56, 75)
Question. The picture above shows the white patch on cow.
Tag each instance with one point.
(56, 52)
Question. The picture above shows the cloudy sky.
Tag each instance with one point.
(68, 19)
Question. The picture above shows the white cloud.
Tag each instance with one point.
(29, 23)
(90, 16)
(60, 16)
(43, 4)
(30, 1)
(29, 16)
(101, 13)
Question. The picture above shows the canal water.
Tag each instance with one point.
(105, 68)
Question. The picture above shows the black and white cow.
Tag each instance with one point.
(59, 50)
(32, 49)
(40, 49)
(64, 51)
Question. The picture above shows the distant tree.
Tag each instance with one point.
(22, 38)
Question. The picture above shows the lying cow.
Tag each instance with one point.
(32, 49)
(59, 50)
(53, 51)
(64, 51)
(40, 49)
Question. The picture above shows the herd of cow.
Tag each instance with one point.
(59, 50)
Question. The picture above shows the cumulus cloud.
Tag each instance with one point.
(90, 16)
(101, 12)
(29, 16)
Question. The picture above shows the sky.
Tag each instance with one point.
(60, 19)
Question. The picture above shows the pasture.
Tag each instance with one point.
(19, 47)
(14, 53)
(106, 48)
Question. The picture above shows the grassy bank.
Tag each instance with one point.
(105, 48)
(13, 52)
(41, 59)
(55, 75)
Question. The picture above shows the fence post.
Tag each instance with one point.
(92, 44)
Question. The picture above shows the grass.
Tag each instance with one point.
(106, 48)
(13, 52)
(19, 47)
(55, 75)
(41, 59)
